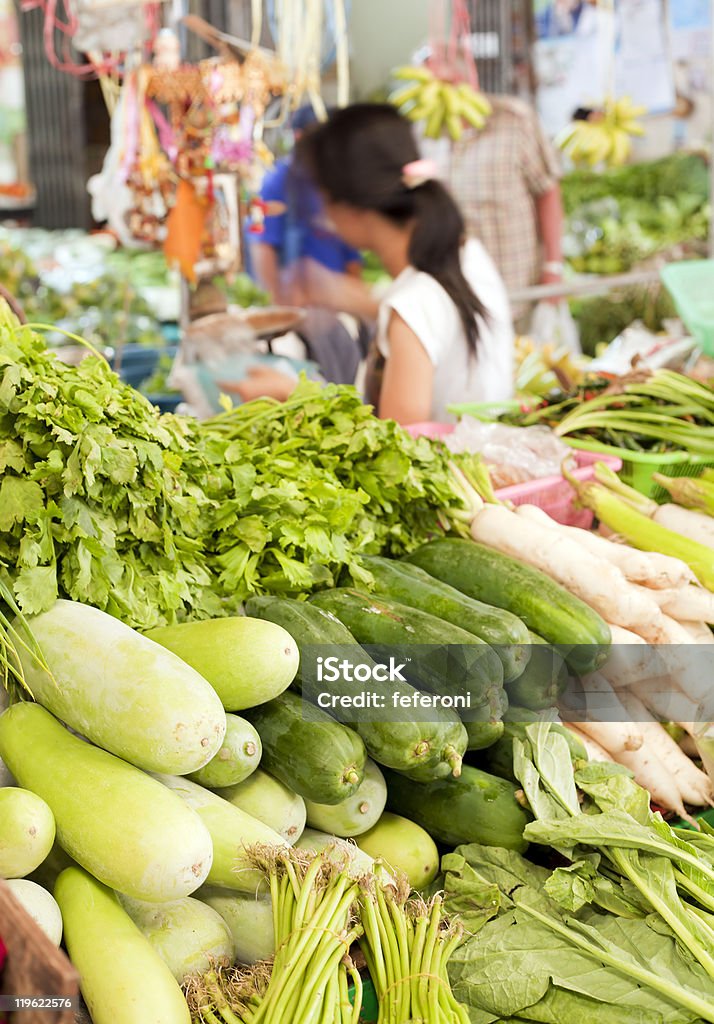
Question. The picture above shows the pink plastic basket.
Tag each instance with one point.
(551, 493)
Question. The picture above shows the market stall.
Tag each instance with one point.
(308, 716)
(312, 812)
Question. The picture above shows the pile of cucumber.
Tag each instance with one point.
(448, 592)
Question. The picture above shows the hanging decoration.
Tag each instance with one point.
(444, 93)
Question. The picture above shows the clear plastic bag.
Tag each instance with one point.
(552, 324)
(513, 454)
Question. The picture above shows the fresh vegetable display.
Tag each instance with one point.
(222, 849)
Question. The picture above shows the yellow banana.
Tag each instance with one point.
(452, 99)
(406, 94)
(419, 112)
(621, 148)
(454, 126)
(475, 99)
(412, 72)
(435, 121)
(602, 147)
(472, 116)
(631, 127)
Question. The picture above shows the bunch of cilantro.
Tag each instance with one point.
(161, 518)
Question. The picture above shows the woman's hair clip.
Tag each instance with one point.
(418, 172)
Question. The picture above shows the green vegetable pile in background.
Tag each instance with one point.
(156, 518)
(622, 216)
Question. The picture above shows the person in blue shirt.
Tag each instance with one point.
(296, 240)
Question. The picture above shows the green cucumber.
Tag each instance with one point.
(423, 750)
(475, 808)
(317, 757)
(545, 607)
(544, 679)
(358, 813)
(410, 585)
(449, 661)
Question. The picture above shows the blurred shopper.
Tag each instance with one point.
(444, 332)
(506, 180)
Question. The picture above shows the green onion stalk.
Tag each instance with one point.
(666, 411)
(627, 513)
(16, 636)
(407, 945)
(691, 492)
(314, 902)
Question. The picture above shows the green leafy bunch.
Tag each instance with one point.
(158, 518)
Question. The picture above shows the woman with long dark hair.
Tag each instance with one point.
(444, 332)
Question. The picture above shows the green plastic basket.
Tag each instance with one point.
(691, 285)
(638, 467)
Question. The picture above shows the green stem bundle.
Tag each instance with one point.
(407, 946)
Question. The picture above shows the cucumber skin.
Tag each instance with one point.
(544, 679)
(545, 607)
(475, 808)
(307, 750)
(393, 744)
(412, 586)
(386, 623)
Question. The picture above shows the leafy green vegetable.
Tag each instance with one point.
(159, 518)
(531, 960)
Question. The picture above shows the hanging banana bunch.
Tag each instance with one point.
(607, 140)
(442, 105)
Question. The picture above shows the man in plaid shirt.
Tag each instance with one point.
(506, 179)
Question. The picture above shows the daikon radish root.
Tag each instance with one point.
(687, 604)
(646, 568)
(594, 751)
(671, 571)
(630, 660)
(663, 629)
(690, 524)
(595, 581)
(652, 775)
(699, 631)
(606, 720)
(667, 703)
(686, 664)
(694, 786)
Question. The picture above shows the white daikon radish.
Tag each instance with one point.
(40, 905)
(649, 569)
(630, 659)
(595, 581)
(606, 720)
(594, 751)
(694, 786)
(695, 525)
(699, 632)
(688, 604)
(668, 704)
(652, 775)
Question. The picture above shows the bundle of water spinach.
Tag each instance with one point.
(625, 931)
